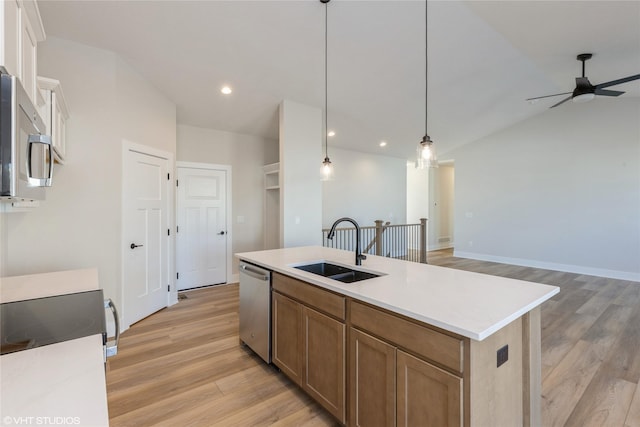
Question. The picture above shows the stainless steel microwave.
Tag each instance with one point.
(26, 155)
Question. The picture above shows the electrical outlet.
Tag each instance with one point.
(502, 355)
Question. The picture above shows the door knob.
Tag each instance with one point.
(133, 246)
(221, 233)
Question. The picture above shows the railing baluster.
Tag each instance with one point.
(403, 241)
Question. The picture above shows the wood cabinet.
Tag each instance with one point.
(426, 395)
(308, 333)
(324, 361)
(401, 372)
(441, 379)
(372, 379)
(390, 387)
(55, 113)
(287, 336)
(22, 29)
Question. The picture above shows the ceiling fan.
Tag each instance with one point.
(584, 90)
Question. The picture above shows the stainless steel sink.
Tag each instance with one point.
(337, 272)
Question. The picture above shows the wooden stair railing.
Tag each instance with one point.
(397, 239)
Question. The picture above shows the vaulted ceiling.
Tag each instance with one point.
(485, 59)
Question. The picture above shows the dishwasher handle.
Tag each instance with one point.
(254, 272)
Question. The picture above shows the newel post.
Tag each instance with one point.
(423, 240)
(379, 236)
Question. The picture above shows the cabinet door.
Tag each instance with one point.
(10, 41)
(287, 336)
(324, 361)
(57, 127)
(426, 395)
(29, 58)
(372, 375)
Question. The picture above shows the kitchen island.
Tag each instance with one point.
(418, 345)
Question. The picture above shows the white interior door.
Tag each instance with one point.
(145, 239)
(202, 237)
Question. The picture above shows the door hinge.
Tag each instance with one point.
(168, 177)
(177, 276)
(176, 182)
(168, 288)
(168, 232)
(177, 228)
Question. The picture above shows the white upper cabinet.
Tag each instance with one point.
(22, 30)
(10, 44)
(53, 110)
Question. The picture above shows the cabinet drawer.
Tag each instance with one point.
(321, 300)
(443, 349)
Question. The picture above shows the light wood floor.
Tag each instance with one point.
(183, 366)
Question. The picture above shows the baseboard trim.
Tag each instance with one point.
(569, 268)
(439, 246)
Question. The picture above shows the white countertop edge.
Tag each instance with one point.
(326, 283)
(314, 279)
(499, 325)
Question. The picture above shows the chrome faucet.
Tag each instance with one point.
(332, 232)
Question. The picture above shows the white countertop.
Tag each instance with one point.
(31, 286)
(470, 304)
(58, 384)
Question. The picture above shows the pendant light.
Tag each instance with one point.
(426, 153)
(327, 167)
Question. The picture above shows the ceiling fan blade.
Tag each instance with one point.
(605, 92)
(547, 96)
(619, 81)
(562, 102)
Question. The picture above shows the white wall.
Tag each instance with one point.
(246, 154)
(366, 187)
(441, 208)
(4, 245)
(417, 193)
(300, 185)
(79, 225)
(560, 191)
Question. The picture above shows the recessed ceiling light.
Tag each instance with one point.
(331, 133)
(383, 143)
(226, 90)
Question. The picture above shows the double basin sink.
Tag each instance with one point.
(337, 272)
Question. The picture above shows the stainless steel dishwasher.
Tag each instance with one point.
(255, 309)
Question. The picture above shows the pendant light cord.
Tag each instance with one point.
(326, 25)
(426, 63)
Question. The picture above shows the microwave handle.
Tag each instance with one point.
(35, 138)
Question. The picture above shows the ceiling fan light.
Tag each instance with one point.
(583, 97)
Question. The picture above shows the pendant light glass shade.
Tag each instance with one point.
(326, 170)
(426, 152)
